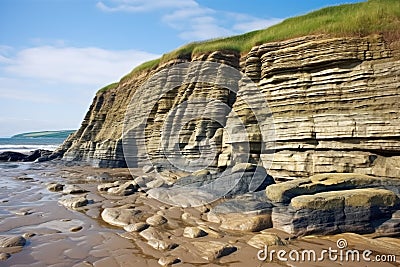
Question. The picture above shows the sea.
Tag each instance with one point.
(26, 145)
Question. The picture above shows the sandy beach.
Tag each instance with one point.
(59, 236)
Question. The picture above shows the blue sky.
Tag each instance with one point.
(55, 54)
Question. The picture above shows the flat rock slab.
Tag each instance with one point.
(246, 223)
(284, 192)
(249, 213)
(121, 216)
(357, 210)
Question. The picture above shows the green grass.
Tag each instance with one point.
(108, 87)
(361, 19)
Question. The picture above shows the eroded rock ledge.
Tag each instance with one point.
(335, 105)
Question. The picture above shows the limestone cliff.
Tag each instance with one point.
(335, 105)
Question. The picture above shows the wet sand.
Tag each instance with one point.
(65, 237)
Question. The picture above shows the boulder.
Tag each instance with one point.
(37, 154)
(193, 191)
(12, 156)
(7, 241)
(356, 210)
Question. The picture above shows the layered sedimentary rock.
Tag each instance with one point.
(334, 104)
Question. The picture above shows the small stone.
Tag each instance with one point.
(76, 229)
(211, 250)
(156, 220)
(74, 203)
(28, 235)
(261, 240)
(105, 187)
(201, 173)
(22, 212)
(136, 227)
(168, 260)
(73, 189)
(161, 244)
(155, 183)
(12, 241)
(150, 233)
(55, 187)
(193, 232)
(5, 256)
(125, 189)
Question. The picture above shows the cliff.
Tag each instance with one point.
(334, 103)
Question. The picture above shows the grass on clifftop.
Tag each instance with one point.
(361, 19)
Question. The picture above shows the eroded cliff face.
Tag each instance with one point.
(335, 105)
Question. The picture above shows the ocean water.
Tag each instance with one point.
(26, 145)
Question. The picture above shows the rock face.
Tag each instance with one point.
(334, 102)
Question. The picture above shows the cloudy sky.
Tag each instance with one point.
(55, 55)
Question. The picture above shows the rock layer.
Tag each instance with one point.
(334, 102)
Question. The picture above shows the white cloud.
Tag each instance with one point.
(53, 86)
(193, 21)
(72, 65)
(143, 5)
(14, 89)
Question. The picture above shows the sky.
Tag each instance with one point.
(56, 54)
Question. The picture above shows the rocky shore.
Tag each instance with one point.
(114, 218)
